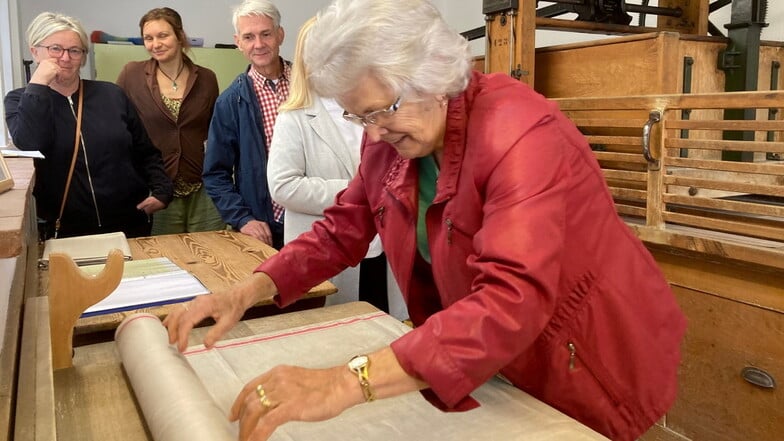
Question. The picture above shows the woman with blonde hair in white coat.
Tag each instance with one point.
(313, 156)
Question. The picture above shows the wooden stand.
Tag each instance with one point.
(71, 292)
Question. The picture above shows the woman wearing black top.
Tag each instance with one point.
(118, 179)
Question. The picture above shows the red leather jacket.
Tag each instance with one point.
(534, 275)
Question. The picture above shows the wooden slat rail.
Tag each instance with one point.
(614, 128)
(724, 125)
(730, 166)
(700, 189)
(692, 186)
(607, 122)
(615, 140)
(740, 146)
(625, 175)
(716, 204)
(635, 158)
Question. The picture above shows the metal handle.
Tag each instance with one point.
(653, 118)
(758, 377)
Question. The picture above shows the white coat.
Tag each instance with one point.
(310, 162)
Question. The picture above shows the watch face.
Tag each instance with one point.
(357, 362)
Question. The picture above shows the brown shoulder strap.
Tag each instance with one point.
(77, 138)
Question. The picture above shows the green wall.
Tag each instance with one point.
(109, 59)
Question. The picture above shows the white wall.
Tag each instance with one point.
(9, 51)
(209, 19)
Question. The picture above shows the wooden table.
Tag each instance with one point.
(217, 258)
(94, 401)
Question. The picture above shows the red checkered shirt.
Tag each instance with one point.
(271, 96)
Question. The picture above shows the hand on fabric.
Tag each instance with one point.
(46, 72)
(291, 393)
(150, 205)
(226, 308)
(258, 229)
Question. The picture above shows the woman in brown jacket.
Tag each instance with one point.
(175, 98)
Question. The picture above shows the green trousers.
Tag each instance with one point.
(190, 214)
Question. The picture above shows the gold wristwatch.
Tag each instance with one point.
(360, 365)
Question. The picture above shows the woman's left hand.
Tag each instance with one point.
(150, 205)
(291, 393)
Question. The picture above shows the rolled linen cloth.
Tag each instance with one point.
(175, 403)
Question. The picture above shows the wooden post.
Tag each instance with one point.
(693, 21)
(71, 292)
(510, 42)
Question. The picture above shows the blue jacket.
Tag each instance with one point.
(235, 163)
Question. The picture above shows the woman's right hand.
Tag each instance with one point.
(226, 308)
(46, 72)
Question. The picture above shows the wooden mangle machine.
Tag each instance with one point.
(685, 119)
(511, 24)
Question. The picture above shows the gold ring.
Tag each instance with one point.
(263, 399)
(185, 305)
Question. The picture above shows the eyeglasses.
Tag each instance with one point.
(372, 117)
(57, 51)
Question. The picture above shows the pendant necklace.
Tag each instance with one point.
(173, 80)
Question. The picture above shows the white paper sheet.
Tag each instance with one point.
(14, 153)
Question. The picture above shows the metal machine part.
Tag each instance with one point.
(604, 11)
(740, 63)
(494, 6)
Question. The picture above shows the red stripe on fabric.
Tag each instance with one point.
(287, 334)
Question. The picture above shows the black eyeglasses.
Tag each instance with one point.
(372, 117)
(57, 51)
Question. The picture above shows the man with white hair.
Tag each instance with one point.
(235, 164)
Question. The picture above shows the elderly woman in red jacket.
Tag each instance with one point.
(498, 226)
